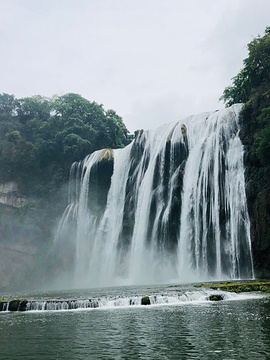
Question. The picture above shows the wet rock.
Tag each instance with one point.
(22, 305)
(239, 287)
(145, 300)
(216, 297)
(184, 133)
(14, 305)
(10, 195)
(184, 129)
(100, 182)
(3, 305)
(169, 138)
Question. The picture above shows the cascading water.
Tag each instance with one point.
(171, 206)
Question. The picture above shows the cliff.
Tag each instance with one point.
(10, 195)
(27, 227)
(257, 181)
(251, 87)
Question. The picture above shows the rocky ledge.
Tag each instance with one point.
(238, 286)
(10, 195)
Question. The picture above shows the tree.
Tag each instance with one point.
(7, 105)
(263, 149)
(255, 73)
(40, 138)
(251, 86)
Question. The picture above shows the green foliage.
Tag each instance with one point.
(13, 136)
(263, 149)
(255, 73)
(239, 287)
(252, 87)
(40, 138)
(7, 105)
(239, 91)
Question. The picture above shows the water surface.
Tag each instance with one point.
(229, 329)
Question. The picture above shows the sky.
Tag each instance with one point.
(152, 61)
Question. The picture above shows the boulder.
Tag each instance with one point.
(216, 297)
(17, 305)
(145, 300)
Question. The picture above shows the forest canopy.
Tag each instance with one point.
(41, 137)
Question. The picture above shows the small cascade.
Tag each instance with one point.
(53, 305)
(171, 206)
(179, 297)
(4, 305)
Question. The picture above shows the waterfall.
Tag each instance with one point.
(169, 207)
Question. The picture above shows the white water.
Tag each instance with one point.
(176, 208)
(110, 302)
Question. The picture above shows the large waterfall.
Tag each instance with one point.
(170, 207)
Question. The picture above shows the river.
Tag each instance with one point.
(180, 324)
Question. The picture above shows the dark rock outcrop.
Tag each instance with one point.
(10, 195)
(257, 183)
(14, 305)
(215, 297)
(145, 300)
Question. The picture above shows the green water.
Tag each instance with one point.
(234, 329)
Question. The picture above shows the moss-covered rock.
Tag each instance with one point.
(107, 155)
(145, 300)
(14, 305)
(23, 305)
(239, 287)
(216, 297)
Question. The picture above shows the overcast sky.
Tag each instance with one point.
(152, 61)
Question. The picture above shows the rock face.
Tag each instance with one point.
(10, 195)
(19, 240)
(17, 305)
(238, 287)
(16, 252)
(101, 181)
(259, 211)
(257, 176)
